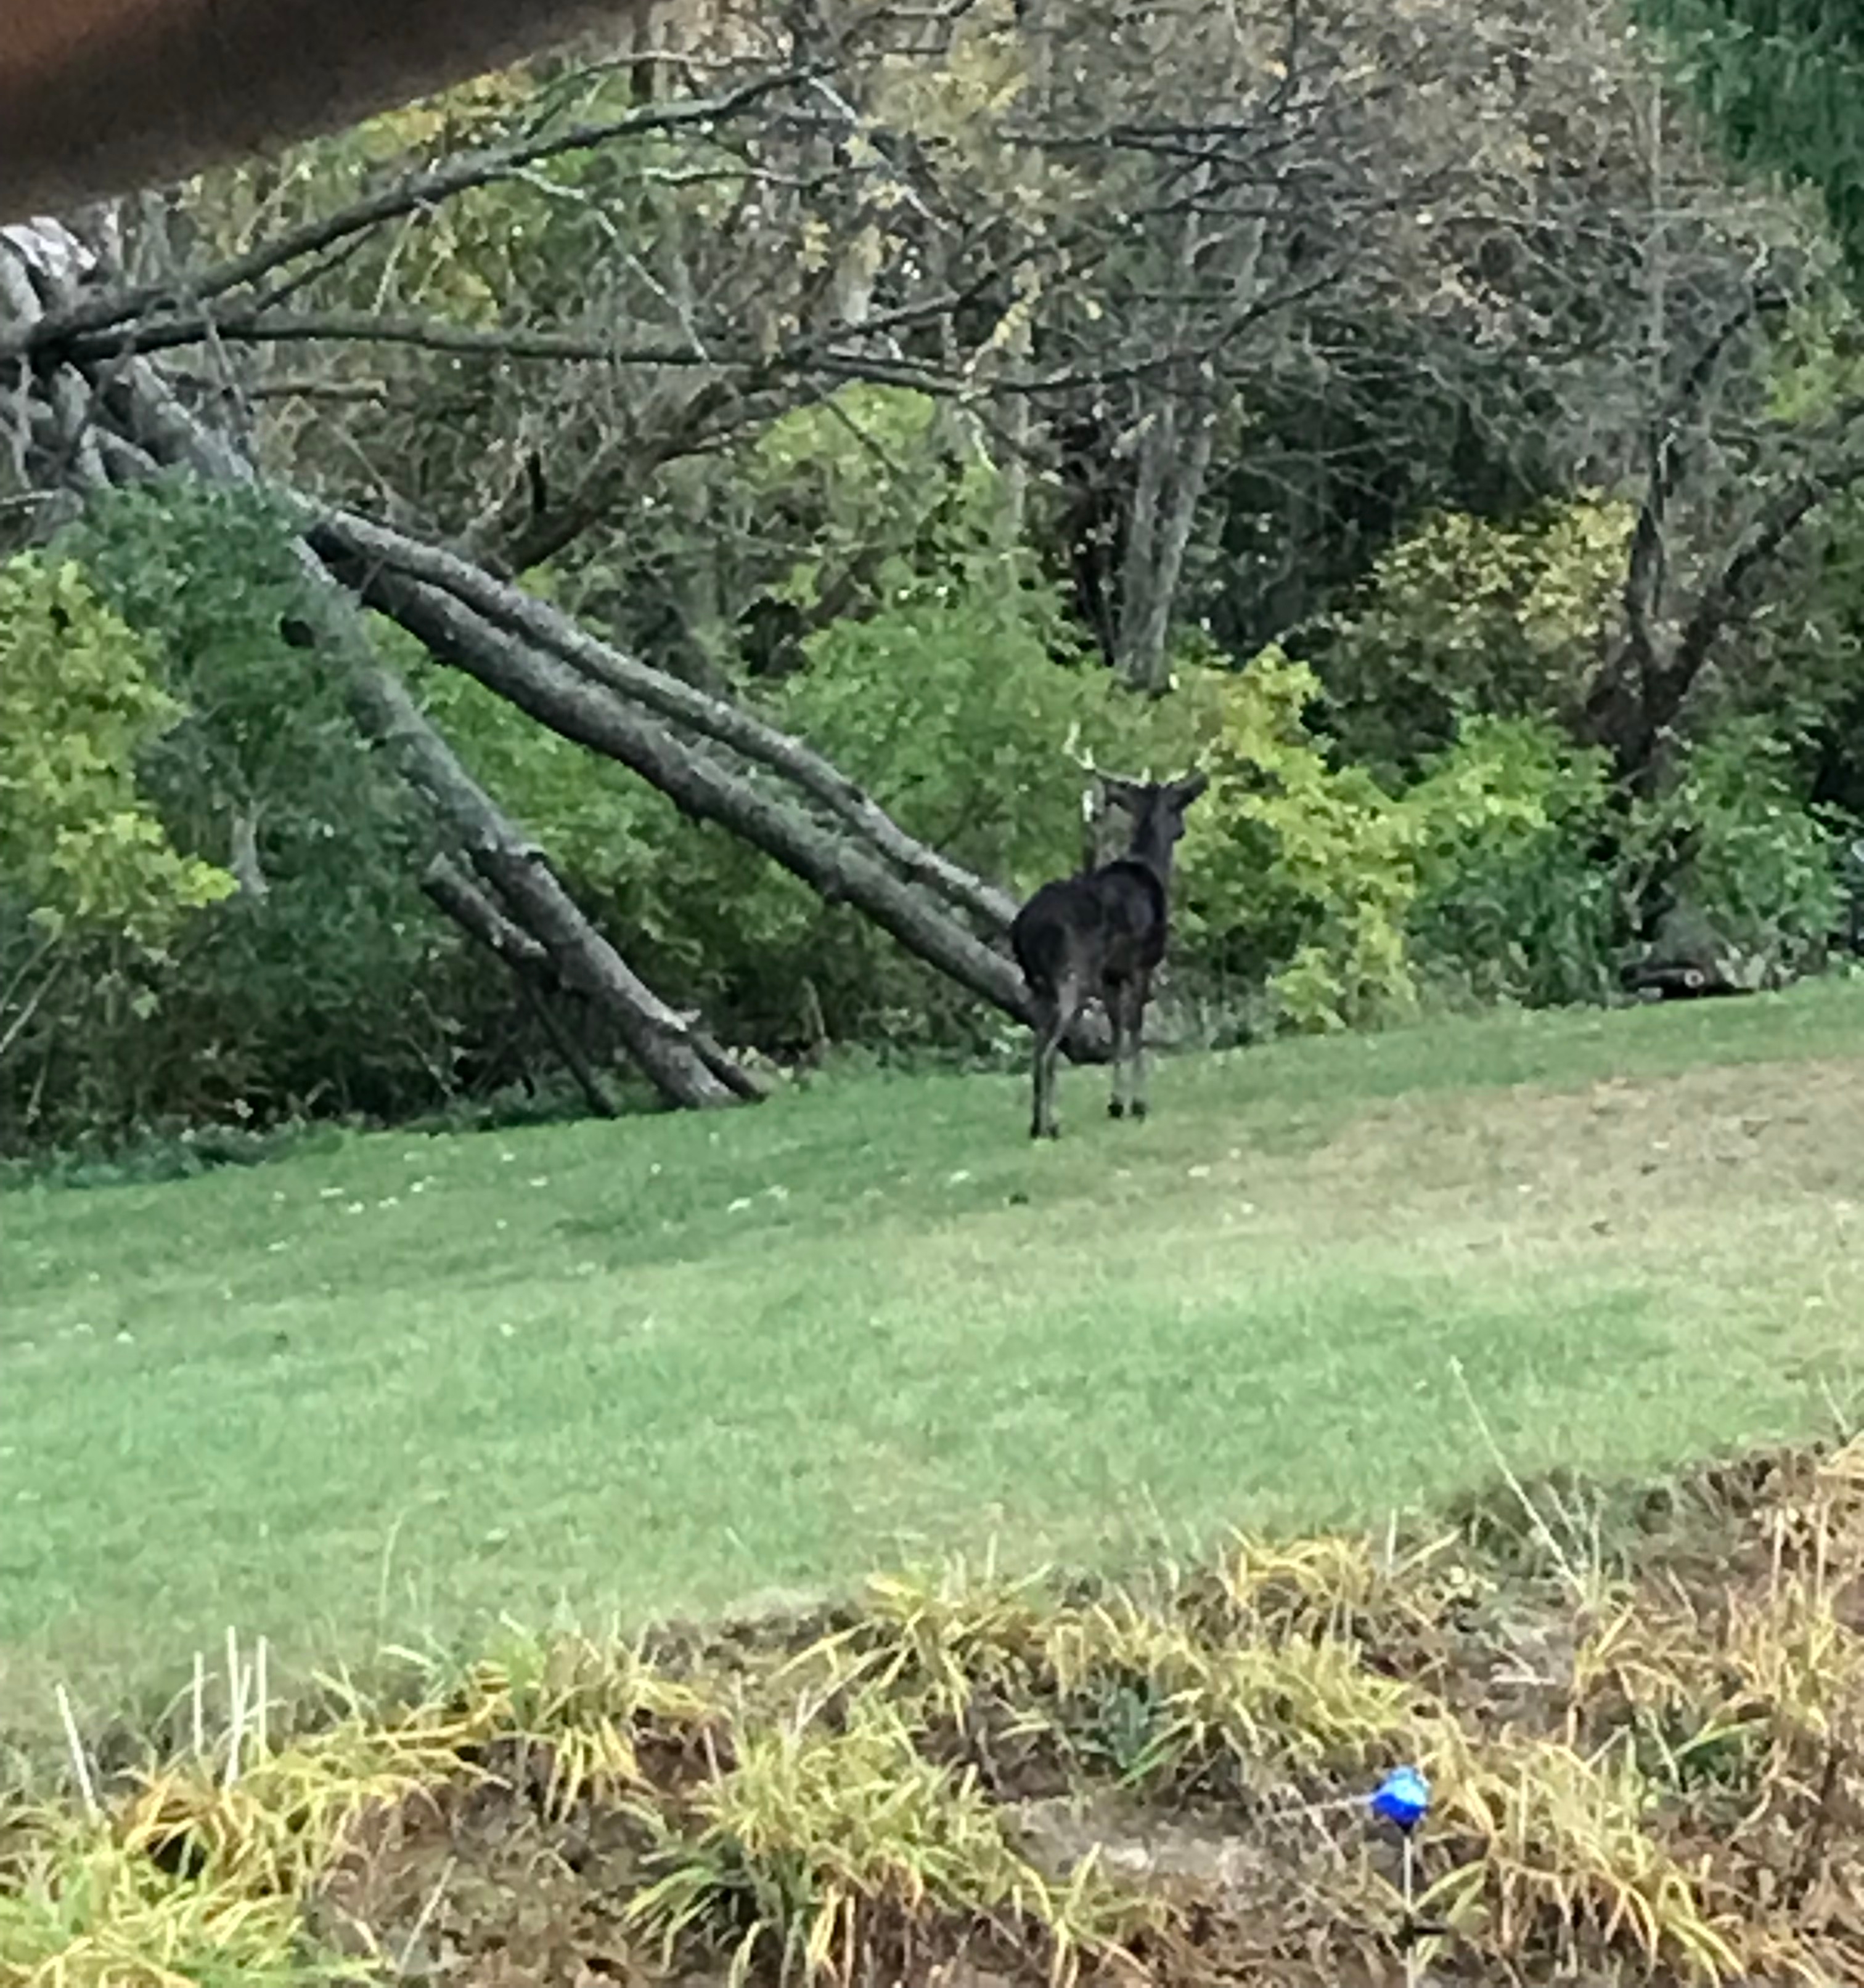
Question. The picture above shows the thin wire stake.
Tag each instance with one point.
(236, 1706)
(1414, 1963)
(80, 1762)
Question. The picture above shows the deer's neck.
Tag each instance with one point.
(1154, 851)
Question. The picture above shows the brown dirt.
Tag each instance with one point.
(1276, 1878)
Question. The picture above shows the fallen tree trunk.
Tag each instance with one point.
(685, 1066)
(537, 966)
(445, 887)
(578, 708)
(373, 557)
(658, 1038)
(343, 536)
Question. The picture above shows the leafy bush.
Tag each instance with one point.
(1506, 871)
(1296, 870)
(80, 848)
(1512, 903)
(1468, 617)
(92, 890)
(1763, 883)
(328, 985)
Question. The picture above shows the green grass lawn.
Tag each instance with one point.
(389, 1389)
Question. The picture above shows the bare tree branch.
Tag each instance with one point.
(1727, 600)
(728, 724)
(256, 327)
(1646, 570)
(409, 195)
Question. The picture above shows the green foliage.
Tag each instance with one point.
(1468, 617)
(1295, 866)
(1782, 82)
(1763, 882)
(1505, 872)
(878, 481)
(80, 848)
(1349, 862)
(327, 985)
(93, 891)
(948, 704)
(1513, 903)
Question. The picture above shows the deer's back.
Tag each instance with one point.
(1105, 925)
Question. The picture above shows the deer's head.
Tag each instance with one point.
(1156, 810)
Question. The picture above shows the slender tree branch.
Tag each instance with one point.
(1728, 599)
(409, 195)
(17, 1027)
(254, 327)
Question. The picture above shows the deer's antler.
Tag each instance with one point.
(1072, 746)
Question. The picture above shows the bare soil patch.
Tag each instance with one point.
(1639, 1713)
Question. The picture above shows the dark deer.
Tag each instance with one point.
(1104, 932)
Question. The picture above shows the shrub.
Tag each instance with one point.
(1296, 871)
(92, 890)
(1763, 882)
(1512, 904)
(1470, 617)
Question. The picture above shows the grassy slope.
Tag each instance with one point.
(394, 1387)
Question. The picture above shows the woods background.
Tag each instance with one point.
(596, 586)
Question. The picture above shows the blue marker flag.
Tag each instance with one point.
(1402, 1797)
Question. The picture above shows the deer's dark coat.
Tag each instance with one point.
(1104, 933)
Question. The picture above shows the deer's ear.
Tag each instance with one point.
(1186, 791)
(1120, 793)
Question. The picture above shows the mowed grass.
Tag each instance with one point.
(389, 1389)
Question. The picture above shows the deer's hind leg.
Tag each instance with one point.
(1138, 992)
(1056, 1013)
(1116, 994)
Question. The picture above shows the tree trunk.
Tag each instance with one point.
(657, 1038)
(445, 886)
(701, 787)
(531, 959)
(367, 544)
(1170, 490)
(1174, 464)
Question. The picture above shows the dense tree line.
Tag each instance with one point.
(611, 570)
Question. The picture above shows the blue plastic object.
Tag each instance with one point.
(1402, 1798)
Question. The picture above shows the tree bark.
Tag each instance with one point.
(447, 887)
(1637, 710)
(699, 785)
(1170, 488)
(353, 539)
(1634, 706)
(1173, 467)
